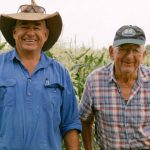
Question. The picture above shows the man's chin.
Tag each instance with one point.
(30, 49)
(128, 72)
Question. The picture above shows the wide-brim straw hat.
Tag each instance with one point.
(53, 22)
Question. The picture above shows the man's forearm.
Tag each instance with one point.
(72, 140)
(87, 134)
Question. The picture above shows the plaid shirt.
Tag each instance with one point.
(119, 125)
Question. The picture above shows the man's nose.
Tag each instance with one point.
(130, 52)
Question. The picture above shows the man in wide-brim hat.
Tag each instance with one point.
(53, 23)
(38, 106)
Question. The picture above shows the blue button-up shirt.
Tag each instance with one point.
(35, 110)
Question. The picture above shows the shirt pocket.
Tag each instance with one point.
(54, 96)
(7, 92)
(52, 104)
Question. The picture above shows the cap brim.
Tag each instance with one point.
(126, 41)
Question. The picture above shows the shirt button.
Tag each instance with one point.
(29, 93)
(29, 80)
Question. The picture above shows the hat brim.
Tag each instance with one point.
(53, 22)
(126, 41)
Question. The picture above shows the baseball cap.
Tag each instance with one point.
(129, 34)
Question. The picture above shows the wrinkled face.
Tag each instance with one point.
(127, 58)
(30, 35)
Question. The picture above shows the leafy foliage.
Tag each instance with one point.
(2, 45)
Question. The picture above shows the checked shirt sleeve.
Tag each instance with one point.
(85, 107)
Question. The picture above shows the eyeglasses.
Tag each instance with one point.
(128, 50)
(31, 9)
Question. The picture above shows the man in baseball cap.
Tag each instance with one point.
(117, 96)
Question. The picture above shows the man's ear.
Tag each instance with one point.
(145, 52)
(111, 52)
(13, 31)
(47, 34)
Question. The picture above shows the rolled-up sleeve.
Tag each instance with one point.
(70, 114)
(85, 107)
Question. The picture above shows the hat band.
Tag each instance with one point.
(125, 41)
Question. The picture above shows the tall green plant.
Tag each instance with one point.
(2, 45)
(82, 65)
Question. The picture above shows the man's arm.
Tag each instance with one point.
(71, 140)
(87, 133)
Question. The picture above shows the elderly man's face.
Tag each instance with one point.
(30, 35)
(127, 58)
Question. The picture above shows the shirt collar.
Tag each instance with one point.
(44, 62)
(144, 73)
(14, 55)
(111, 73)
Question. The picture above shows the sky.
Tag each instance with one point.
(92, 23)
